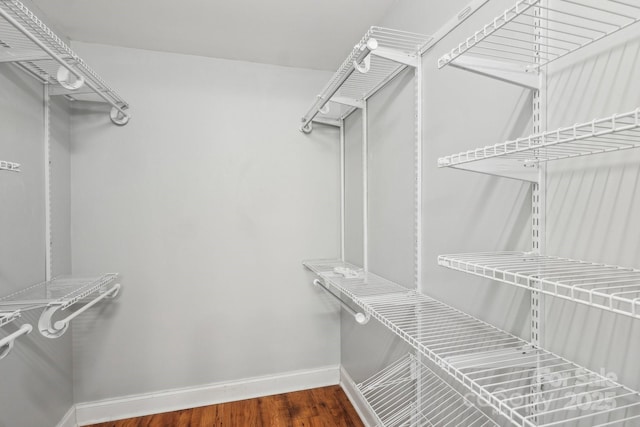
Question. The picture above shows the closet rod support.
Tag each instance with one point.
(6, 344)
(361, 318)
(50, 329)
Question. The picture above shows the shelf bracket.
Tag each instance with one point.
(351, 102)
(6, 343)
(396, 56)
(506, 168)
(359, 317)
(54, 329)
(499, 70)
(323, 121)
(9, 166)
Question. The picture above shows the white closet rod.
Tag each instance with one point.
(361, 318)
(6, 344)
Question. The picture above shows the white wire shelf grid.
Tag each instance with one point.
(608, 287)
(7, 317)
(375, 60)
(525, 384)
(26, 41)
(63, 292)
(407, 393)
(566, 26)
(614, 133)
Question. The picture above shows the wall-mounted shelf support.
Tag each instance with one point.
(361, 318)
(33, 47)
(54, 329)
(6, 343)
(498, 70)
(9, 166)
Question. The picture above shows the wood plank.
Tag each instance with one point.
(320, 407)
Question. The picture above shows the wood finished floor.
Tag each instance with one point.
(320, 407)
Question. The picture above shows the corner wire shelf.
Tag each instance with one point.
(608, 287)
(566, 27)
(374, 61)
(408, 393)
(614, 133)
(60, 294)
(9, 166)
(26, 41)
(527, 385)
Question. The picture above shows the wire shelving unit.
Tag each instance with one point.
(60, 294)
(569, 25)
(27, 42)
(608, 287)
(408, 393)
(614, 133)
(510, 375)
(374, 61)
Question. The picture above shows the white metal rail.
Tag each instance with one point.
(569, 26)
(6, 343)
(374, 61)
(393, 395)
(60, 294)
(28, 42)
(608, 287)
(614, 133)
(497, 367)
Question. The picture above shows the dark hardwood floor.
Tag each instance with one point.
(320, 407)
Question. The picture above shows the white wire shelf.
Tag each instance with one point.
(7, 317)
(527, 385)
(608, 287)
(374, 61)
(9, 166)
(63, 291)
(563, 26)
(26, 41)
(614, 133)
(409, 394)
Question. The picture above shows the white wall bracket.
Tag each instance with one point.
(506, 168)
(9, 166)
(499, 70)
(351, 102)
(397, 56)
(54, 329)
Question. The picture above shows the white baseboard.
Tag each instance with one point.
(210, 394)
(363, 409)
(69, 419)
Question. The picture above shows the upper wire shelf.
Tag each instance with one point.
(26, 41)
(375, 60)
(614, 133)
(531, 34)
(527, 385)
(408, 393)
(608, 287)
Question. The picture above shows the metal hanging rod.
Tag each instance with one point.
(361, 318)
(409, 394)
(58, 295)
(9, 166)
(614, 133)
(608, 287)
(496, 366)
(28, 42)
(509, 41)
(374, 61)
(6, 343)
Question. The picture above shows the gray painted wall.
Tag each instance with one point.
(206, 203)
(36, 386)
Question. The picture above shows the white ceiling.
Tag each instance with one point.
(315, 34)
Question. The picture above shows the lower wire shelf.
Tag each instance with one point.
(527, 385)
(603, 286)
(408, 393)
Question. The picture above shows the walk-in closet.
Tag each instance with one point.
(378, 213)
